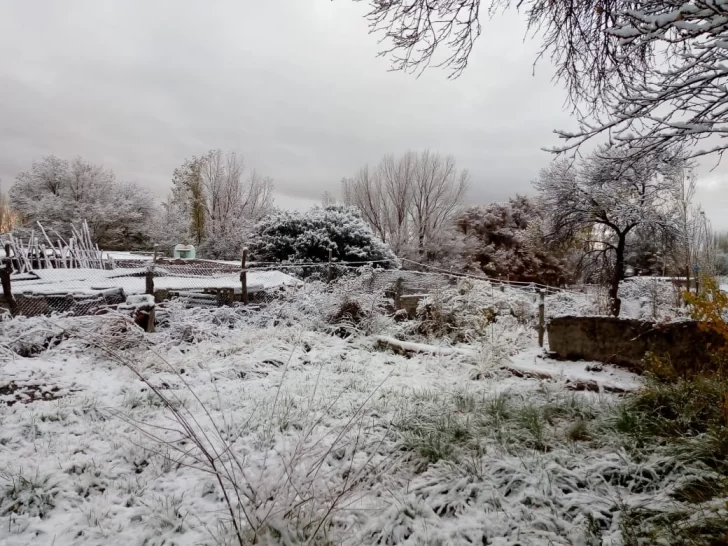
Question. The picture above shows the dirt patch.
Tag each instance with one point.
(12, 393)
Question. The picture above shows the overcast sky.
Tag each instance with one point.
(294, 85)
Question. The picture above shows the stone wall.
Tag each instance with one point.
(627, 341)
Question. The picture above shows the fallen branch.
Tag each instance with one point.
(407, 348)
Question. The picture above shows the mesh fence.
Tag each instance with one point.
(137, 282)
(82, 291)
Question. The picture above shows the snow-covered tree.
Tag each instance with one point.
(57, 192)
(678, 251)
(8, 217)
(694, 241)
(721, 254)
(220, 203)
(187, 197)
(307, 237)
(505, 240)
(410, 201)
(327, 199)
(169, 226)
(649, 73)
(603, 198)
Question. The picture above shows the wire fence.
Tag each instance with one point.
(138, 282)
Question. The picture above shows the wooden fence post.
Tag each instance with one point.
(151, 319)
(5, 272)
(541, 316)
(331, 270)
(398, 289)
(150, 274)
(244, 277)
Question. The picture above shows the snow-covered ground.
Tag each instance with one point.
(315, 431)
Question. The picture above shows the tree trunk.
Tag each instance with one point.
(618, 275)
(421, 243)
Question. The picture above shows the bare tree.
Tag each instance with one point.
(602, 199)
(704, 245)
(383, 195)
(684, 255)
(327, 199)
(220, 176)
(416, 29)
(365, 192)
(437, 194)
(398, 180)
(220, 202)
(648, 72)
(408, 201)
(257, 196)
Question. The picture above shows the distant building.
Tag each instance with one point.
(184, 252)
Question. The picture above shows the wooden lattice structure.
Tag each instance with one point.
(41, 250)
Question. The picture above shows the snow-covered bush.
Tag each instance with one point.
(464, 312)
(574, 304)
(316, 305)
(649, 298)
(307, 237)
(504, 337)
(30, 336)
(340, 304)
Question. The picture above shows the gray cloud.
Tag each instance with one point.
(293, 85)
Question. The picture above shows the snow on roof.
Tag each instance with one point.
(184, 247)
(84, 281)
(123, 255)
(138, 301)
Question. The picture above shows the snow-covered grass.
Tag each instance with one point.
(295, 425)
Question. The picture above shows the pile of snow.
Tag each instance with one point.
(139, 301)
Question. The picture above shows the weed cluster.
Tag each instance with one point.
(683, 413)
(459, 426)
